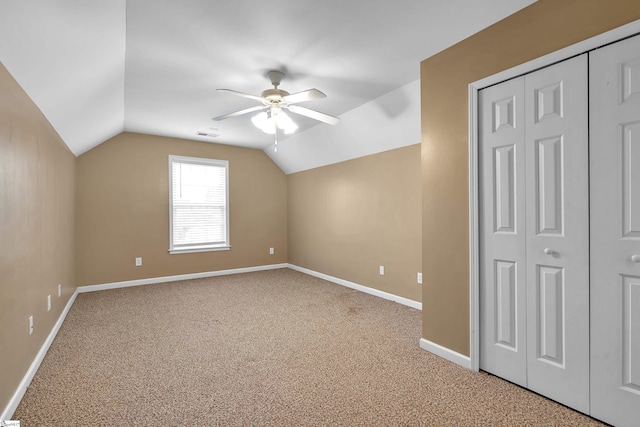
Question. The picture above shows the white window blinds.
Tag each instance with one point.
(199, 213)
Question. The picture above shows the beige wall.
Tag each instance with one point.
(347, 219)
(37, 182)
(122, 210)
(543, 27)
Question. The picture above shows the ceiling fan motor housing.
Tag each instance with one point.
(273, 96)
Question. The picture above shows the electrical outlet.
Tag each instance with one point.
(30, 325)
(48, 302)
(420, 278)
(382, 270)
(59, 291)
(271, 251)
(138, 261)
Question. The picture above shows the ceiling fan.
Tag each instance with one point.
(274, 101)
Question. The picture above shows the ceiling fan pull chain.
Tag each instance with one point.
(275, 136)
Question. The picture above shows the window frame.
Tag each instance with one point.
(182, 249)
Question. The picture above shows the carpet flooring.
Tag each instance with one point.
(272, 348)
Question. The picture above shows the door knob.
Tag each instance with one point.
(635, 258)
(549, 251)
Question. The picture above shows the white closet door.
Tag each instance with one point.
(557, 232)
(534, 243)
(615, 232)
(502, 203)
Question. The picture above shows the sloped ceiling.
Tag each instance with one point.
(97, 68)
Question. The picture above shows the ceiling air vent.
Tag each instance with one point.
(207, 135)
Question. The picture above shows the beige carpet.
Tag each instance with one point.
(274, 348)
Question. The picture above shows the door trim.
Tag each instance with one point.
(474, 237)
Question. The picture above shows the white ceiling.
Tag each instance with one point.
(97, 68)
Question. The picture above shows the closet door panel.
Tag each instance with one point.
(557, 174)
(502, 289)
(615, 232)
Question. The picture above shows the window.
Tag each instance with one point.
(198, 204)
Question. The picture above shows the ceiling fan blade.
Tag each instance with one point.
(246, 95)
(305, 95)
(241, 112)
(314, 114)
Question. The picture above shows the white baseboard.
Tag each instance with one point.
(31, 372)
(361, 288)
(445, 353)
(164, 279)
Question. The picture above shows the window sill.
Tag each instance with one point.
(199, 249)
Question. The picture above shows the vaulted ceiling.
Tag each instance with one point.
(98, 68)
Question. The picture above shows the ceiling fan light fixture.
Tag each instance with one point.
(285, 123)
(263, 122)
(269, 120)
